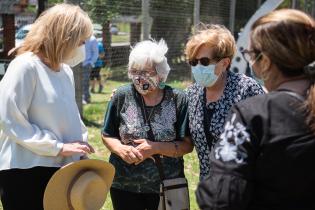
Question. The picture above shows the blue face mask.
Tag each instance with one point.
(204, 75)
(255, 76)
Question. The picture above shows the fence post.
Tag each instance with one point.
(232, 15)
(296, 4)
(41, 7)
(135, 32)
(145, 19)
(196, 12)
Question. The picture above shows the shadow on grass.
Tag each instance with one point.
(89, 123)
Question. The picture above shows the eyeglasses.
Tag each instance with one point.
(251, 56)
(203, 61)
(147, 73)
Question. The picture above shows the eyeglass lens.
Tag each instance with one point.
(203, 61)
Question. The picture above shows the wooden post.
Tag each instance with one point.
(135, 33)
(145, 19)
(8, 34)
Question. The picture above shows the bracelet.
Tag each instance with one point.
(176, 148)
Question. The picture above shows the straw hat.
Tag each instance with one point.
(81, 185)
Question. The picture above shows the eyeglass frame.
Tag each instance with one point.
(250, 60)
(136, 72)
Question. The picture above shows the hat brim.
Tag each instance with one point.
(55, 196)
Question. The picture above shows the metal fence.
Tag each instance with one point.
(173, 21)
(123, 23)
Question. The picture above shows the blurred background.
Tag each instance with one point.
(118, 25)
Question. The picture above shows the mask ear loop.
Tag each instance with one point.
(162, 85)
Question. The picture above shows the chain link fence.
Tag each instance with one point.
(173, 21)
(120, 24)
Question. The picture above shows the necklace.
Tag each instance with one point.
(146, 120)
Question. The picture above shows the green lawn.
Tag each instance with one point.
(124, 33)
(120, 38)
(93, 115)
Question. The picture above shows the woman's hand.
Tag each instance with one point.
(113, 93)
(146, 148)
(75, 148)
(129, 154)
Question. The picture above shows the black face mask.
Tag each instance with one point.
(146, 86)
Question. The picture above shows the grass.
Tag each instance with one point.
(93, 114)
(124, 33)
(120, 38)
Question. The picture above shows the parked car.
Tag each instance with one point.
(114, 29)
(21, 34)
(97, 30)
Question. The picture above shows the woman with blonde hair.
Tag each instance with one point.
(210, 52)
(40, 125)
(265, 157)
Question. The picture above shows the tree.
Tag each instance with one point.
(52, 2)
(103, 11)
(172, 21)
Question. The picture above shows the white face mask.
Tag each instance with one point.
(77, 57)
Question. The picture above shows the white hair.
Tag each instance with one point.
(150, 52)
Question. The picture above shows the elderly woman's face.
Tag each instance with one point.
(145, 80)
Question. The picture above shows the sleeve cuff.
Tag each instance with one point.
(58, 148)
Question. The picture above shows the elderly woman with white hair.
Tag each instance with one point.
(136, 110)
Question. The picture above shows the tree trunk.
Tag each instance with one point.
(135, 33)
(107, 41)
(8, 35)
(41, 7)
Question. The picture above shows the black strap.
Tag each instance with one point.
(150, 134)
(206, 123)
(151, 137)
(156, 158)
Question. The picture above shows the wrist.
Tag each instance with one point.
(59, 148)
(176, 148)
(117, 149)
(155, 147)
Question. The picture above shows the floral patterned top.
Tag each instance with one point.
(238, 87)
(124, 120)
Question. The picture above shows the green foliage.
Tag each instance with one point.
(52, 2)
(172, 23)
(102, 10)
(305, 5)
(31, 9)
